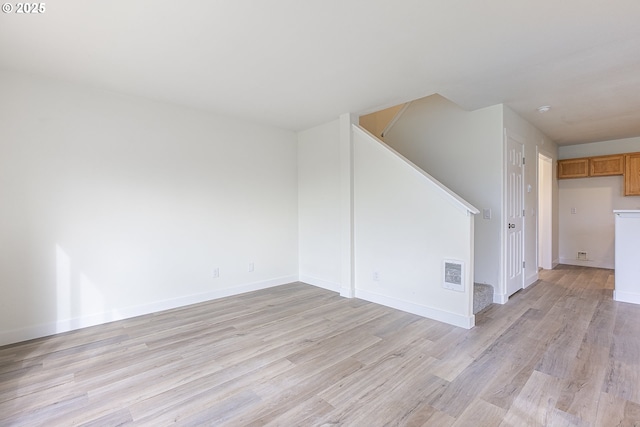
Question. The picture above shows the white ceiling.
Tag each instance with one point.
(298, 63)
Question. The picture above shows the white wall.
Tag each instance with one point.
(114, 206)
(463, 150)
(319, 204)
(592, 228)
(617, 146)
(534, 142)
(406, 225)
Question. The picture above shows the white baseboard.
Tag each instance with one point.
(347, 292)
(421, 310)
(321, 283)
(631, 297)
(555, 263)
(500, 298)
(596, 263)
(531, 279)
(60, 326)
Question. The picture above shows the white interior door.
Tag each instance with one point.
(515, 215)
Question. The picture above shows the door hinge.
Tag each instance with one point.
(522, 264)
(523, 212)
(523, 160)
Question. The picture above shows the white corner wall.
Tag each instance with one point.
(406, 225)
(602, 148)
(592, 228)
(115, 206)
(319, 204)
(464, 151)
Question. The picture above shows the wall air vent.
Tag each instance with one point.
(453, 275)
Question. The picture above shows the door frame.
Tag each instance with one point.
(544, 223)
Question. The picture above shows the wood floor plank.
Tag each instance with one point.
(300, 387)
(372, 378)
(219, 383)
(41, 412)
(394, 394)
(35, 383)
(203, 409)
(480, 413)
(613, 411)
(536, 402)
(311, 412)
(505, 386)
(585, 382)
(559, 353)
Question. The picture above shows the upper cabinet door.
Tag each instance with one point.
(573, 168)
(606, 165)
(632, 174)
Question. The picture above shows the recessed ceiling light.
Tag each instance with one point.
(544, 109)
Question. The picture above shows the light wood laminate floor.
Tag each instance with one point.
(560, 353)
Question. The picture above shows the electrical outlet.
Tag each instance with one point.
(376, 276)
(251, 267)
(216, 273)
(582, 256)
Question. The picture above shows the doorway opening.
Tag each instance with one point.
(545, 180)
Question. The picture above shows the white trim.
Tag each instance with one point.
(421, 310)
(60, 326)
(500, 298)
(347, 250)
(631, 297)
(471, 266)
(531, 279)
(321, 283)
(458, 201)
(540, 155)
(500, 290)
(347, 292)
(596, 263)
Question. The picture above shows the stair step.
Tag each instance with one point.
(482, 296)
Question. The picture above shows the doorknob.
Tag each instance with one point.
(512, 225)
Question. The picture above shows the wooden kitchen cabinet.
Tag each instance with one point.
(627, 164)
(632, 174)
(573, 168)
(591, 166)
(606, 165)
